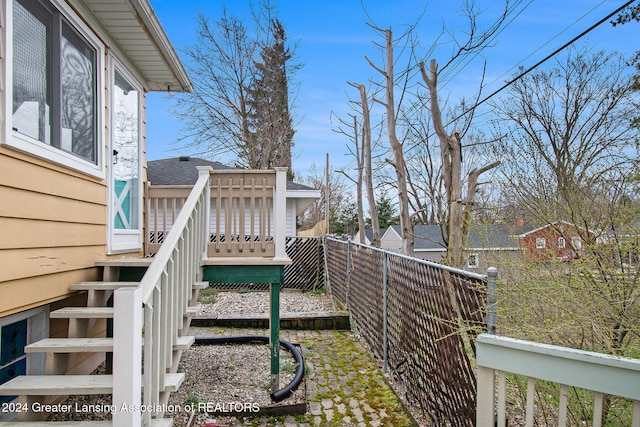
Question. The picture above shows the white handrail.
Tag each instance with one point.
(599, 373)
(157, 309)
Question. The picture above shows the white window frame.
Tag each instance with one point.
(562, 242)
(474, 264)
(125, 240)
(576, 243)
(37, 329)
(37, 148)
(541, 243)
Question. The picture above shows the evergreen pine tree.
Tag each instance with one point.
(269, 97)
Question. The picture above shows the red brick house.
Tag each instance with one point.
(559, 240)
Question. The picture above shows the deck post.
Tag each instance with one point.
(485, 397)
(206, 170)
(127, 356)
(274, 337)
(280, 214)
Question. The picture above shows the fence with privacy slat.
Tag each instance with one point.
(305, 273)
(420, 318)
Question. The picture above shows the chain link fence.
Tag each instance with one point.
(305, 273)
(420, 318)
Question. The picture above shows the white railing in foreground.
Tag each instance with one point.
(599, 373)
(155, 310)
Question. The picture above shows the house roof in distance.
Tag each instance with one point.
(182, 171)
(490, 236)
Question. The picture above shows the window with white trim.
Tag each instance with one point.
(54, 80)
(576, 243)
(562, 243)
(541, 243)
(472, 261)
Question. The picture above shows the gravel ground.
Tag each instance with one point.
(258, 302)
(238, 374)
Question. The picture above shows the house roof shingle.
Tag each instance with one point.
(429, 237)
(182, 171)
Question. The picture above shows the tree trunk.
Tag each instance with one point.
(366, 157)
(451, 156)
(406, 225)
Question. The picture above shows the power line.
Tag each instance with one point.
(542, 61)
(547, 42)
(474, 54)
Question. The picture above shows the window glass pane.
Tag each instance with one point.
(31, 95)
(78, 91)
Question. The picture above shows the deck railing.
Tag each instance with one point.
(599, 373)
(248, 213)
(155, 311)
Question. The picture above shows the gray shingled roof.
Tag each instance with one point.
(429, 237)
(182, 171)
(178, 170)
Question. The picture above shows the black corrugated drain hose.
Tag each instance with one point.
(281, 394)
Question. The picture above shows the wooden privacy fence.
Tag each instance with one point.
(420, 318)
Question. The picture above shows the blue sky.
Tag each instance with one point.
(333, 38)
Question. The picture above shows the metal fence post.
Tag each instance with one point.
(385, 318)
(492, 282)
(348, 271)
(327, 279)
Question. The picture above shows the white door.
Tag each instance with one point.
(125, 203)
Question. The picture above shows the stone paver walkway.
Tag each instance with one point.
(344, 386)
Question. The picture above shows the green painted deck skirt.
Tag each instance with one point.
(244, 273)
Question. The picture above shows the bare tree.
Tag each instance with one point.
(398, 162)
(571, 156)
(336, 194)
(358, 153)
(424, 169)
(367, 153)
(458, 206)
(241, 75)
(221, 65)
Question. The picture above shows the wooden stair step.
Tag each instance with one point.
(184, 342)
(71, 345)
(157, 422)
(54, 385)
(193, 310)
(124, 262)
(200, 285)
(102, 286)
(82, 313)
(90, 345)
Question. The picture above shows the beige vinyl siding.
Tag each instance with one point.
(23, 294)
(391, 242)
(53, 223)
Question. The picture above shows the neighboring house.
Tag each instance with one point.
(559, 240)
(485, 245)
(74, 80)
(181, 171)
(368, 235)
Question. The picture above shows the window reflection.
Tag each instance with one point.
(126, 163)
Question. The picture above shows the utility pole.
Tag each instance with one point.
(326, 193)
